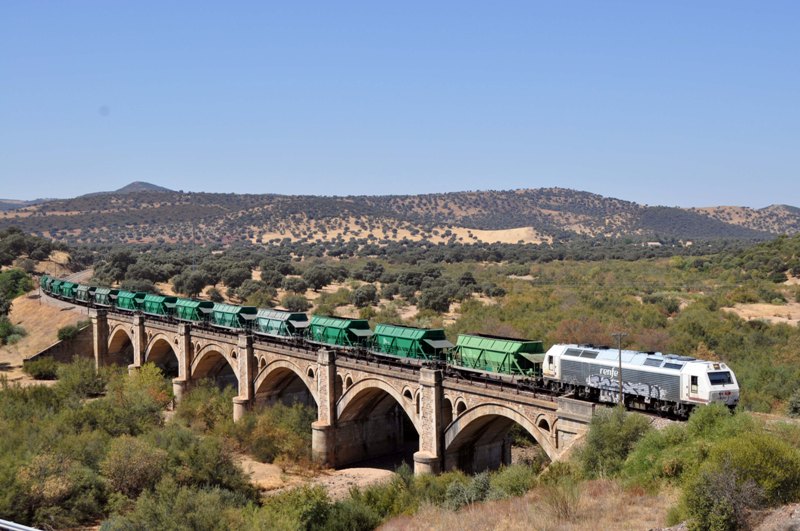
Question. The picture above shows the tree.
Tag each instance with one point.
(364, 295)
(435, 299)
(318, 276)
(295, 303)
(234, 277)
(294, 284)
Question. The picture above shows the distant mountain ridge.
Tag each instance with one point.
(143, 212)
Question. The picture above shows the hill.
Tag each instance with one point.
(142, 212)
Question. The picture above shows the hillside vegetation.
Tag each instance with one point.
(143, 214)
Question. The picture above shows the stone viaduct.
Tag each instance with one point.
(365, 409)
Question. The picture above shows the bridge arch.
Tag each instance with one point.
(475, 440)
(120, 346)
(375, 420)
(214, 361)
(280, 378)
(161, 352)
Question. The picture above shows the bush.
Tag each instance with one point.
(132, 465)
(278, 431)
(206, 406)
(718, 500)
(67, 333)
(43, 368)
(793, 407)
(612, 434)
(295, 303)
(80, 379)
(10, 334)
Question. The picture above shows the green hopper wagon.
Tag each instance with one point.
(230, 316)
(158, 304)
(44, 282)
(499, 354)
(339, 331)
(408, 342)
(105, 296)
(130, 301)
(55, 286)
(192, 310)
(84, 293)
(67, 289)
(280, 323)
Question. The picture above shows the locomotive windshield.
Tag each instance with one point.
(720, 378)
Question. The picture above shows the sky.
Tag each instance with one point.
(678, 103)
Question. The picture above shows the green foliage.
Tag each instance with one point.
(43, 368)
(612, 435)
(67, 333)
(179, 508)
(295, 303)
(364, 295)
(13, 283)
(206, 407)
(793, 407)
(132, 465)
(318, 276)
(668, 455)
(277, 432)
(9, 333)
(80, 379)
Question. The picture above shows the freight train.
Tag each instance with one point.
(652, 381)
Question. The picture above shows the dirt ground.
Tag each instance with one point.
(41, 319)
(788, 313)
(272, 479)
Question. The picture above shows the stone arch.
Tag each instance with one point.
(447, 411)
(543, 423)
(212, 361)
(461, 407)
(280, 377)
(362, 395)
(475, 440)
(161, 352)
(375, 420)
(120, 346)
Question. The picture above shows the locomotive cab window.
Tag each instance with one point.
(720, 378)
(694, 384)
(550, 364)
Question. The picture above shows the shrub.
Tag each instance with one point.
(66, 333)
(295, 303)
(132, 465)
(206, 406)
(80, 379)
(718, 500)
(278, 431)
(612, 434)
(43, 368)
(793, 407)
(514, 480)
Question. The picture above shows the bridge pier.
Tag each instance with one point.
(428, 460)
(245, 374)
(323, 431)
(99, 320)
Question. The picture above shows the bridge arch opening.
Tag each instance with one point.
(282, 382)
(120, 348)
(490, 436)
(163, 356)
(374, 428)
(212, 364)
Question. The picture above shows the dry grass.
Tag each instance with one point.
(788, 313)
(41, 319)
(601, 504)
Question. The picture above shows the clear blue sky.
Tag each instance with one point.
(685, 103)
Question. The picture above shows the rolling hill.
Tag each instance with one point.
(142, 212)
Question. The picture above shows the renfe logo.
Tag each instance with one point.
(609, 372)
